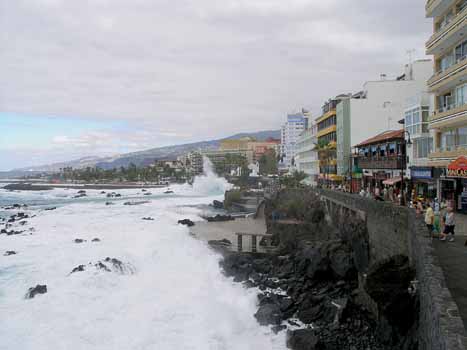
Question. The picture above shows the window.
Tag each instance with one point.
(422, 147)
(461, 95)
(416, 120)
(448, 140)
(462, 132)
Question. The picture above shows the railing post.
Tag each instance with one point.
(239, 242)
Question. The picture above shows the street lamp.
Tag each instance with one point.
(405, 143)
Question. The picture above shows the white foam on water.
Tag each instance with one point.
(176, 299)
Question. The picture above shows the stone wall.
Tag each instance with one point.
(393, 231)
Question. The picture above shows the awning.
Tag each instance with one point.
(392, 181)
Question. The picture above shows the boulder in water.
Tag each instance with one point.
(220, 218)
(33, 291)
(79, 268)
(302, 339)
(51, 208)
(79, 240)
(218, 204)
(10, 252)
(96, 240)
(186, 222)
(148, 218)
(269, 314)
(221, 242)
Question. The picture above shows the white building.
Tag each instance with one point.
(377, 108)
(290, 132)
(307, 156)
(419, 170)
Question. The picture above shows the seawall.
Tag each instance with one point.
(394, 231)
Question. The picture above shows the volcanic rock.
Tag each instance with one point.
(10, 252)
(33, 291)
(186, 222)
(302, 339)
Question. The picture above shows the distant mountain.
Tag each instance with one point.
(147, 157)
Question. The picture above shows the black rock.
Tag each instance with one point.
(79, 240)
(10, 252)
(33, 291)
(51, 208)
(102, 266)
(186, 222)
(148, 218)
(109, 203)
(95, 240)
(218, 204)
(221, 242)
(81, 192)
(269, 314)
(302, 339)
(143, 190)
(148, 194)
(79, 268)
(102, 192)
(220, 218)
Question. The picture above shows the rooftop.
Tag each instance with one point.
(384, 136)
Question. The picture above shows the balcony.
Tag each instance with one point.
(434, 8)
(448, 35)
(395, 162)
(326, 115)
(450, 76)
(326, 131)
(450, 116)
(444, 157)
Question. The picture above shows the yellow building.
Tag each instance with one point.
(448, 45)
(327, 140)
(240, 144)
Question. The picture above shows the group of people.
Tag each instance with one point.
(444, 225)
(388, 194)
(439, 221)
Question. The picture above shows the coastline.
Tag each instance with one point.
(46, 187)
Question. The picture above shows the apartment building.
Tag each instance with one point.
(307, 156)
(377, 108)
(290, 132)
(448, 122)
(327, 141)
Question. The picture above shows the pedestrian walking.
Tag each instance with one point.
(449, 225)
(429, 219)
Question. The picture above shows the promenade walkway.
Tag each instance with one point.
(453, 260)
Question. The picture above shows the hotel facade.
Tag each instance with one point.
(448, 122)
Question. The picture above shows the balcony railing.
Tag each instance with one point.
(447, 74)
(394, 162)
(446, 29)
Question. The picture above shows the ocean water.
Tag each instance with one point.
(171, 294)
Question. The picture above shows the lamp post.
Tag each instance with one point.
(405, 143)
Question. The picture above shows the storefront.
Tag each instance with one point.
(424, 182)
(455, 184)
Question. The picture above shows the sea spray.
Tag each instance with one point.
(209, 184)
(176, 299)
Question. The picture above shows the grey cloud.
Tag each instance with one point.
(208, 67)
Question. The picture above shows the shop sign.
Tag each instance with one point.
(420, 173)
(458, 167)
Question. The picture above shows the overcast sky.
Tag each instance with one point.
(95, 77)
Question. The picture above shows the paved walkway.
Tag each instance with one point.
(453, 259)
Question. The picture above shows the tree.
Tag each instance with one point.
(293, 180)
(268, 163)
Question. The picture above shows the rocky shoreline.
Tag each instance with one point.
(311, 290)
